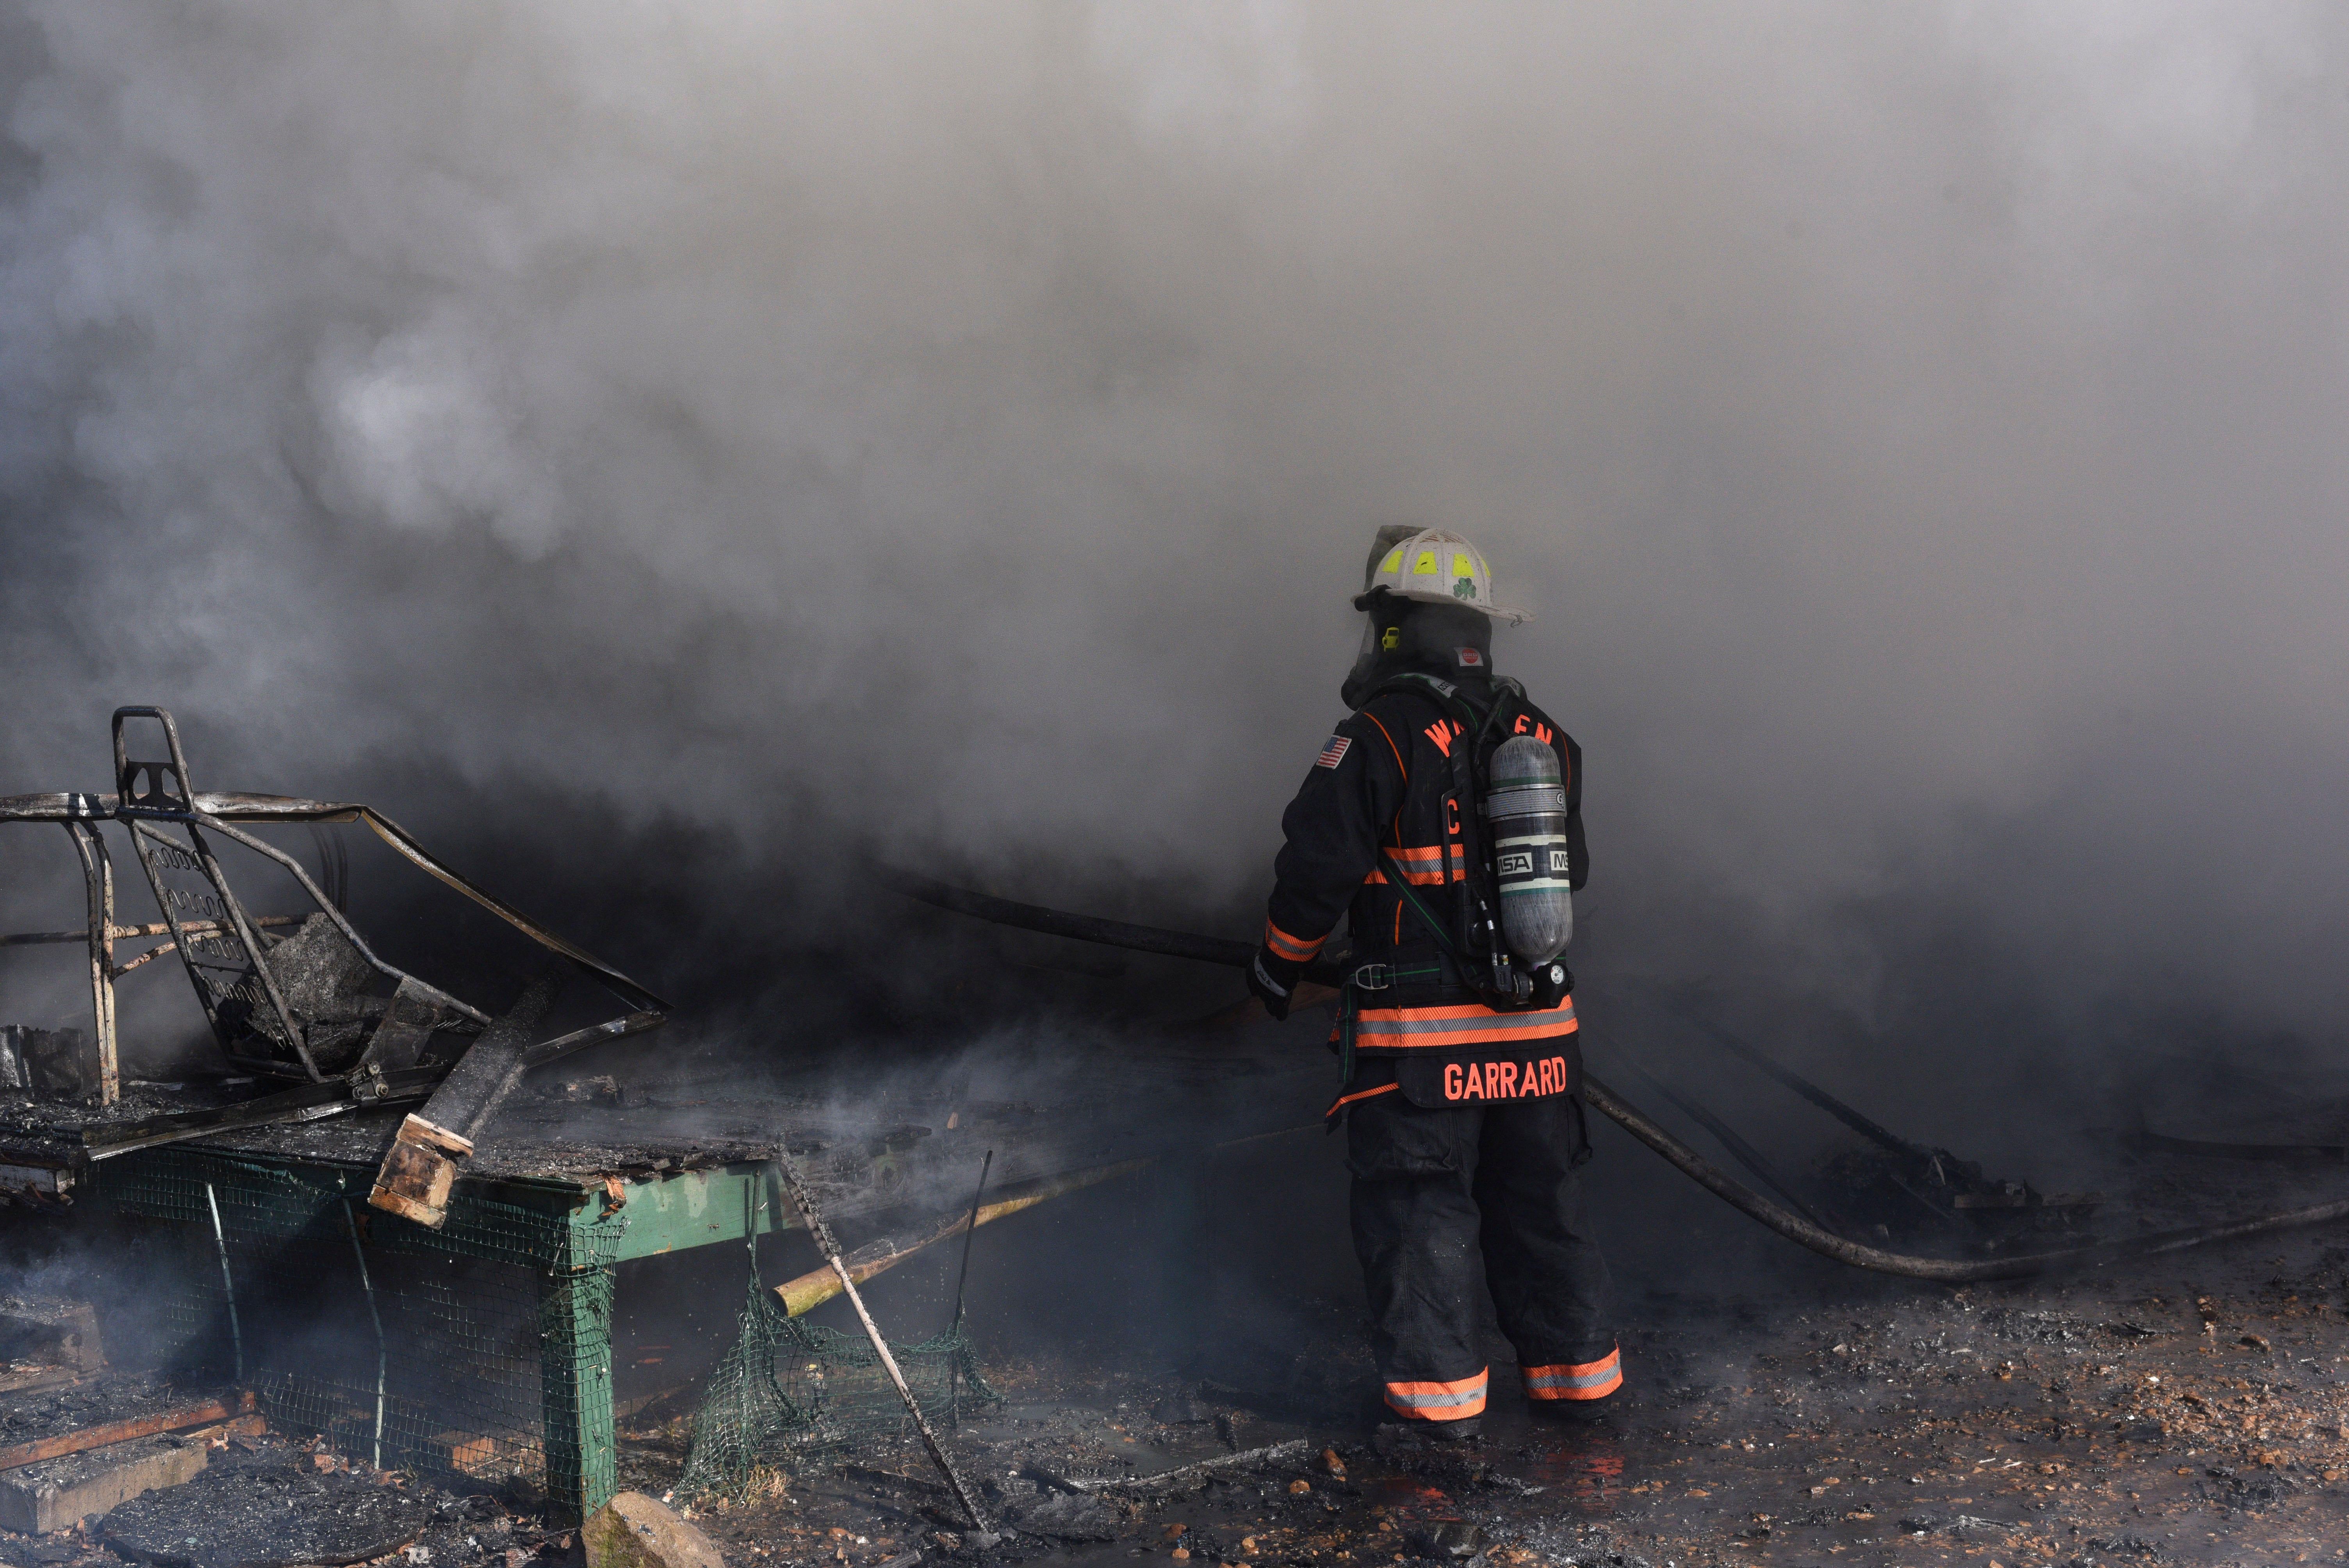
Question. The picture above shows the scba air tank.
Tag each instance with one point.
(1525, 812)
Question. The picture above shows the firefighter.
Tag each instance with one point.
(1461, 1072)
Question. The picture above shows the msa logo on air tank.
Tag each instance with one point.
(1520, 863)
(1526, 808)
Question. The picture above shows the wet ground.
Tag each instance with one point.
(2187, 1410)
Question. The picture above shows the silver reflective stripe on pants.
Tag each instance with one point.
(1586, 1380)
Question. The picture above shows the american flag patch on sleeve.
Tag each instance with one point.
(1332, 753)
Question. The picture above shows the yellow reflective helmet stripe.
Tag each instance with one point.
(1437, 566)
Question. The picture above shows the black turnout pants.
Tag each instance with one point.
(1436, 1191)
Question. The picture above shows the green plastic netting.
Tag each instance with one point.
(477, 1353)
(793, 1392)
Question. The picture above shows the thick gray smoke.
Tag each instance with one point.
(1918, 430)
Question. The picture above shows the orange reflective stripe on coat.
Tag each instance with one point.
(1589, 1381)
(1470, 1024)
(1439, 1401)
(1296, 949)
(1421, 867)
(1343, 1100)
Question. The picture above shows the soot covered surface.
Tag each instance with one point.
(258, 1509)
(1095, 1103)
(2186, 1408)
(34, 1414)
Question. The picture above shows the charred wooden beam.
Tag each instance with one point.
(306, 1102)
(99, 1436)
(421, 1165)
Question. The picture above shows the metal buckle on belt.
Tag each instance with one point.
(1373, 978)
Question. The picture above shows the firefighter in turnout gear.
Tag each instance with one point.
(1443, 820)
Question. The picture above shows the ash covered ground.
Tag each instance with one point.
(1778, 1408)
(2190, 1410)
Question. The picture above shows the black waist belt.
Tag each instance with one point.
(1410, 976)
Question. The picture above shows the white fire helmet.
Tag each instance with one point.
(1438, 568)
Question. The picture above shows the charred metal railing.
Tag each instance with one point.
(173, 827)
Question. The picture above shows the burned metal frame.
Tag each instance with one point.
(217, 939)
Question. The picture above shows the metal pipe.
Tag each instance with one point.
(831, 1250)
(368, 1285)
(97, 872)
(220, 1241)
(152, 953)
(1756, 1164)
(1753, 1056)
(2144, 1138)
(326, 906)
(1228, 952)
(962, 1277)
(970, 1235)
(124, 932)
(59, 806)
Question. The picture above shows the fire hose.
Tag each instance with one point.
(1795, 1227)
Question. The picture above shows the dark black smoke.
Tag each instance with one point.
(781, 436)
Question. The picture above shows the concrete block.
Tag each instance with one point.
(35, 1499)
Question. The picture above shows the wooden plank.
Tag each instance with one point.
(26, 1380)
(123, 1431)
(813, 1289)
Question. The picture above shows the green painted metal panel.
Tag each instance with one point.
(684, 1209)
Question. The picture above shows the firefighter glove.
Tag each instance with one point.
(1272, 980)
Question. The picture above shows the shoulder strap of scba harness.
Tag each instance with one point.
(1472, 934)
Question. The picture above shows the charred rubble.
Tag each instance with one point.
(368, 1290)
